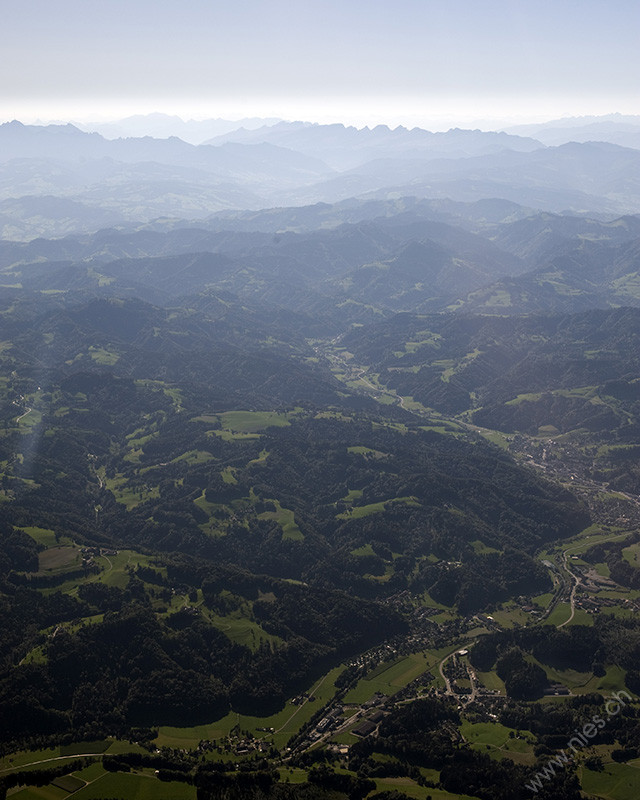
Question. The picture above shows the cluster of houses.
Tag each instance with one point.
(241, 743)
(301, 699)
(370, 660)
(96, 552)
(457, 668)
(250, 745)
(89, 554)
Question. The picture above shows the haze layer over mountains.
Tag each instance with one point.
(312, 217)
(57, 179)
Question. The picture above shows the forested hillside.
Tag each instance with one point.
(346, 490)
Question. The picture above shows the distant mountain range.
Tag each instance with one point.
(69, 144)
(131, 181)
(162, 126)
(344, 148)
(614, 128)
(594, 177)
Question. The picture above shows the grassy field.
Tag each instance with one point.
(103, 356)
(113, 572)
(611, 681)
(568, 677)
(294, 774)
(286, 722)
(117, 746)
(78, 748)
(24, 757)
(529, 397)
(624, 613)
(511, 616)
(345, 738)
(481, 548)
(366, 451)
(45, 537)
(192, 457)
(69, 783)
(357, 512)
(30, 420)
(228, 475)
(496, 438)
(58, 559)
(135, 787)
(632, 554)
(543, 600)
(231, 436)
(560, 614)
(285, 518)
(262, 457)
(391, 676)
(128, 496)
(252, 421)
(91, 772)
(602, 569)
(213, 527)
(365, 550)
(499, 741)
(615, 782)
(445, 616)
(333, 415)
(49, 792)
(594, 534)
(29, 760)
(492, 681)
(427, 600)
(243, 630)
(412, 789)
(362, 511)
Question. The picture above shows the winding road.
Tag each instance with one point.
(24, 414)
(576, 580)
(463, 699)
(446, 680)
(572, 596)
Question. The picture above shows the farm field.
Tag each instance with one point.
(136, 787)
(615, 782)
(412, 789)
(500, 741)
(286, 519)
(389, 677)
(252, 421)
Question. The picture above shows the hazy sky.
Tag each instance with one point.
(362, 61)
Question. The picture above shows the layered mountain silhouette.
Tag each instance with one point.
(350, 261)
(128, 181)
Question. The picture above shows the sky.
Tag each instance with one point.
(414, 62)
